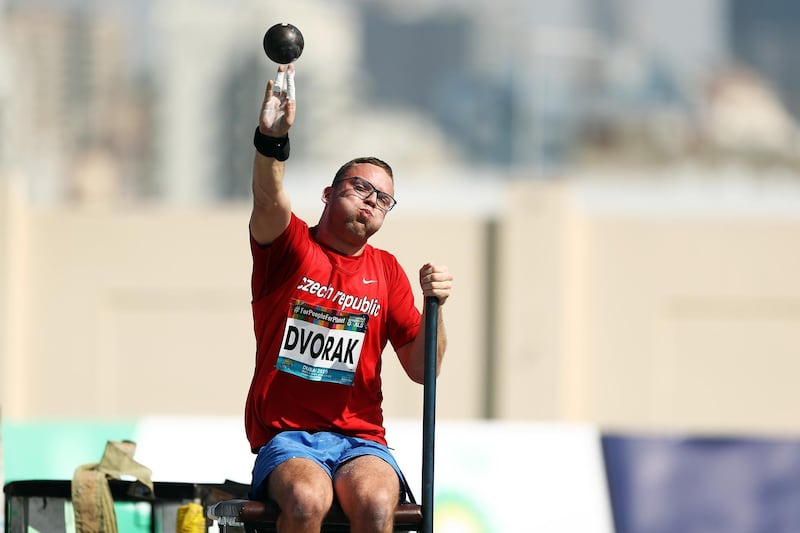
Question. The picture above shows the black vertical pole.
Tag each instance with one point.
(429, 410)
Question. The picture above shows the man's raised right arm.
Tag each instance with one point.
(271, 205)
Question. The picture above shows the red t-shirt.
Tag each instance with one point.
(321, 323)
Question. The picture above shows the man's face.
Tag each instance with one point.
(358, 202)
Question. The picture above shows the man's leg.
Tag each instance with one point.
(368, 490)
(303, 491)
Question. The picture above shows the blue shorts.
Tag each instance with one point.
(329, 450)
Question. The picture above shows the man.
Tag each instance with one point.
(325, 304)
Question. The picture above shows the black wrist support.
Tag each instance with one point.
(277, 147)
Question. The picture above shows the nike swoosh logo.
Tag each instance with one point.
(369, 281)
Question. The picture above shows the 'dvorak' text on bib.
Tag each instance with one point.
(322, 344)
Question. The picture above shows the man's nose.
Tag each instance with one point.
(370, 196)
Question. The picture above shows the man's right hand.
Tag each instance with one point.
(278, 108)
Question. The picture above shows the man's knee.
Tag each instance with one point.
(301, 489)
(374, 509)
(304, 501)
(379, 508)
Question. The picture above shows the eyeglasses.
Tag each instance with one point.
(365, 189)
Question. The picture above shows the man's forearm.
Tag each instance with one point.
(416, 367)
(271, 204)
(268, 175)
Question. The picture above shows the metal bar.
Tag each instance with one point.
(429, 410)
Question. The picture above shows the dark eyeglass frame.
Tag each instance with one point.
(364, 189)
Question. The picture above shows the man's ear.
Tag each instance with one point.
(326, 194)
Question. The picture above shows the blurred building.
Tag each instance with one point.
(73, 99)
(223, 91)
(763, 35)
(745, 115)
(516, 88)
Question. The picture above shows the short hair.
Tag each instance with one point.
(363, 160)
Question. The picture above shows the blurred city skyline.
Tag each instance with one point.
(143, 100)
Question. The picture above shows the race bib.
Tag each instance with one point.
(322, 344)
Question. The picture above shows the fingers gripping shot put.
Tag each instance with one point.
(325, 305)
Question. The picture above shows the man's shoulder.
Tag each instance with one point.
(296, 231)
(297, 228)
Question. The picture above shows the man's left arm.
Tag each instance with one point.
(435, 280)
